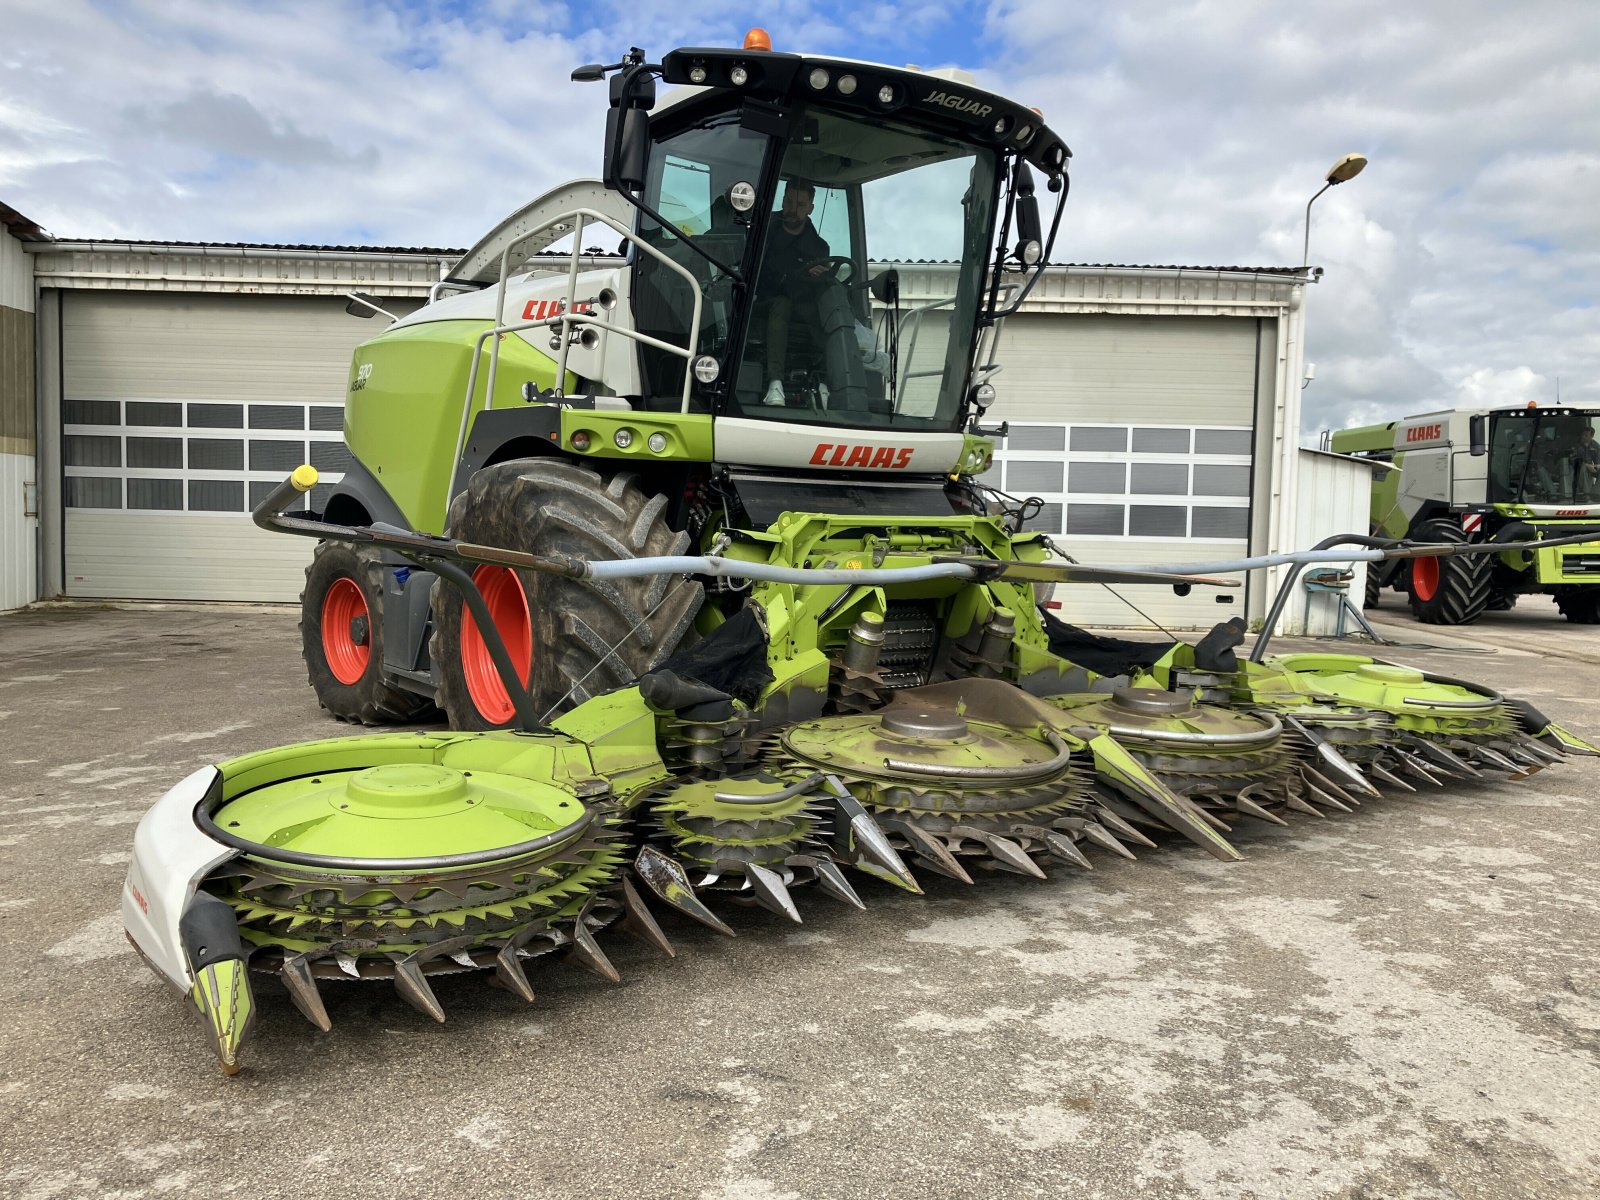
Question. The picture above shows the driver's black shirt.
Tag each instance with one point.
(789, 253)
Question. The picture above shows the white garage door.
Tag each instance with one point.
(179, 413)
(1135, 434)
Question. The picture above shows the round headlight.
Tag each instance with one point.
(623, 438)
(697, 74)
(1024, 135)
(819, 79)
(1030, 252)
(706, 369)
(658, 443)
(739, 76)
(580, 441)
(742, 196)
(847, 85)
(886, 94)
(983, 395)
(1000, 126)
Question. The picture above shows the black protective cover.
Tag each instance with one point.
(733, 659)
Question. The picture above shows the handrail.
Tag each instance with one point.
(568, 317)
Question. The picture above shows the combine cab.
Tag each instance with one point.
(693, 553)
(1506, 475)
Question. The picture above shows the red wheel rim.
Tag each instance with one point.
(341, 608)
(508, 607)
(1425, 577)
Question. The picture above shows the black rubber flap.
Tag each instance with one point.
(733, 659)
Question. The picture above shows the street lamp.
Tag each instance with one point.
(1345, 169)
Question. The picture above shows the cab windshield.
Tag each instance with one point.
(1539, 456)
(869, 278)
(862, 294)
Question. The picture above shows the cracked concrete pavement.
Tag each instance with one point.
(1400, 1002)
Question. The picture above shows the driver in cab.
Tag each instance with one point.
(794, 266)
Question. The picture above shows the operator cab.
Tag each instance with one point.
(1544, 456)
(839, 221)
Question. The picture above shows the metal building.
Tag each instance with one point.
(19, 504)
(1151, 409)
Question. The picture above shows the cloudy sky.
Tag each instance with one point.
(1462, 266)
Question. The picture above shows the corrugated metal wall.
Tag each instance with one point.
(18, 530)
(1335, 496)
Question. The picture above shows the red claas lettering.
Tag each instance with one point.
(892, 458)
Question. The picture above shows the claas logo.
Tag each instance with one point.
(1423, 433)
(543, 310)
(830, 454)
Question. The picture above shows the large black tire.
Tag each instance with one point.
(1374, 588)
(1581, 606)
(572, 640)
(1447, 591)
(341, 639)
(1501, 601)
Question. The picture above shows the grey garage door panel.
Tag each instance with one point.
(1154, 370)
(138, 556)
(179, 411)
(164, 346)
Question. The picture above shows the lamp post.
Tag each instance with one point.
(1345, 169)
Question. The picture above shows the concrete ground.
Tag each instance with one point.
(1401, 1002)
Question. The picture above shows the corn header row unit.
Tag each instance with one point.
(693, 554)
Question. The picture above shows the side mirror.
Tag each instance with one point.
(1477, 435)
(362, 304)
(1030, 229)
(633, 94)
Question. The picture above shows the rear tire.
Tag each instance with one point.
(561, 632)
(1374, 589)
(1501, 601)
(341, 638)
(1447, 591)
(1580, 607)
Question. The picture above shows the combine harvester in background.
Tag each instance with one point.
(1493, 475)
(698, 564)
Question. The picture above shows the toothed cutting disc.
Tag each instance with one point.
(1193, 748)
(451, 858)
(940, 747)
(744, 819)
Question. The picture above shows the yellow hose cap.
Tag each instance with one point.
(304, 477)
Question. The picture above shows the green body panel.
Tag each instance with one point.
(803, 618)
(1366, 439)
(1547, 568)
(689, 435)
(1389, 519)
(403, 409)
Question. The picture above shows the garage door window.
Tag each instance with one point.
(166, 456)
(1113, 481)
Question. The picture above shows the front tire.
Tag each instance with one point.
(1581, 607)
(1447, 591)
(570, 640)
(341, 638)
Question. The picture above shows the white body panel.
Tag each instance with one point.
(170, 857)
(613, 361)
(819, 448)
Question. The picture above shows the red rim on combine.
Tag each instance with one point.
(341, 608)
(508, 607)
(1425, 578)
